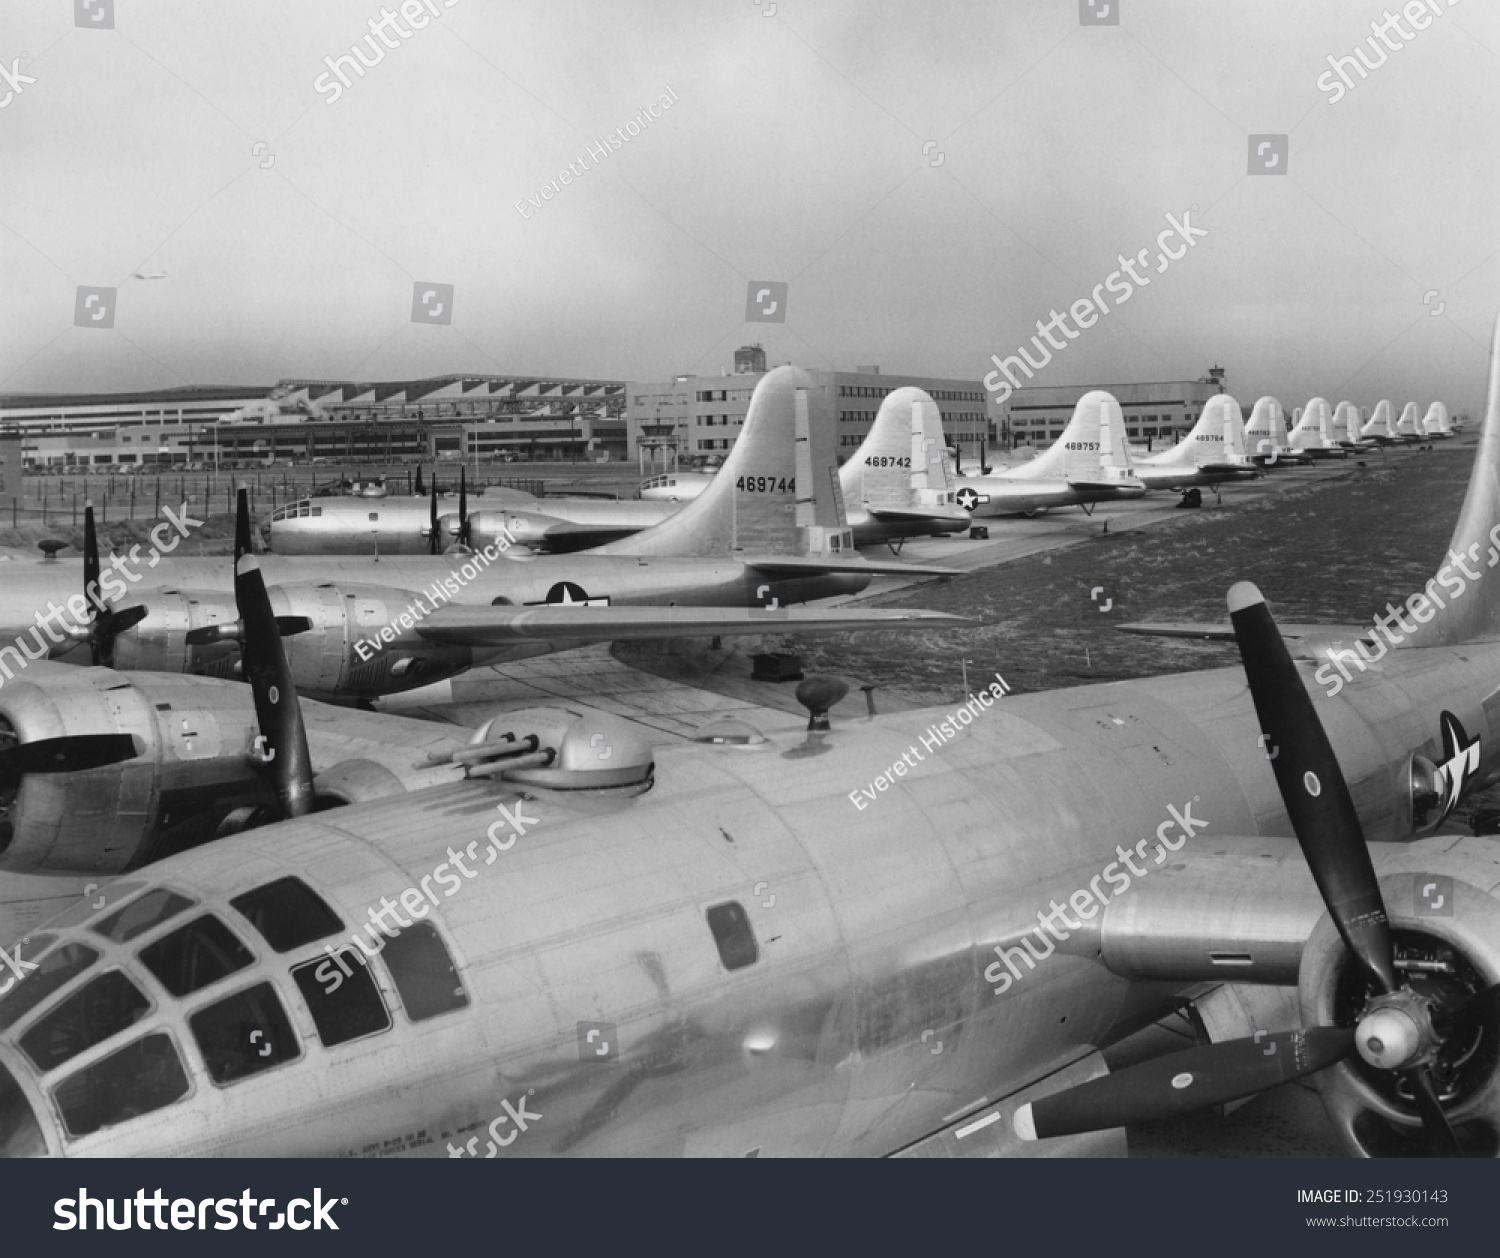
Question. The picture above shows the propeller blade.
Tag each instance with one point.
(71, 753)
(463, 506)
(1440, 1136)
(276, 708)
(1313, 788)
(91, 572)
(1180, 1083)
(434, 542)
(244, 543)
(421, 488)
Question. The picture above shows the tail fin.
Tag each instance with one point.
(1408, 425)
(1209, 440)
(1314, 430)
(1234, 431)
(1435, 422)
(902, 453)
(1381, 422)
(1093, 440)
(1346, 422)
(1468, 606)
(1265, 434)
(777, 492)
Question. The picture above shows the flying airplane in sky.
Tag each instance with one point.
(770, 532)
(907, 934)
(1266, 437)
(1314, 434)
(1206, 456)
(1436, 423)
(1088, 463)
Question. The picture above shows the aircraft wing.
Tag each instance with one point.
(1225, 633)
(815, 565)
(458, 625)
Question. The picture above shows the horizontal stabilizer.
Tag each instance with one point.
(815, 565)
(459, 625)
(951, 514)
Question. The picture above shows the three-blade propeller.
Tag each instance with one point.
(1389, 1034)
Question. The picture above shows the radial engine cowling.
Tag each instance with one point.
(190, 769)
(1447, 934)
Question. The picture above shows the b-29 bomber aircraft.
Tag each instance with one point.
(771, 531)
(910, 934)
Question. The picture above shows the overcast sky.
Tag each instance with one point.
(929, 180)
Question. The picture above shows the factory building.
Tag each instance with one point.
(455, 417)
(1158, 413)
(691, 418)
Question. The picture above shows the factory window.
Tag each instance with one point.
(343, 1006)
(424, 973)
(141, 1077)
(102, 1007)
(288, 913)
(235, 1034)
(195, 956)
(733, 935)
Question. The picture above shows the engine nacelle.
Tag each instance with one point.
(341, 641)
(191, 772)
(503, 529)
(1447, 934)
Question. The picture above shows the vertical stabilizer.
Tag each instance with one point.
(1093, 441)
(901, 458)
(1347, 423)
(1381, 422)
(777, 483)
(1314, 430)
(1265, 434)
(1409, 425)
(1436, 423)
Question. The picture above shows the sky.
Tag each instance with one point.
(928, 180)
